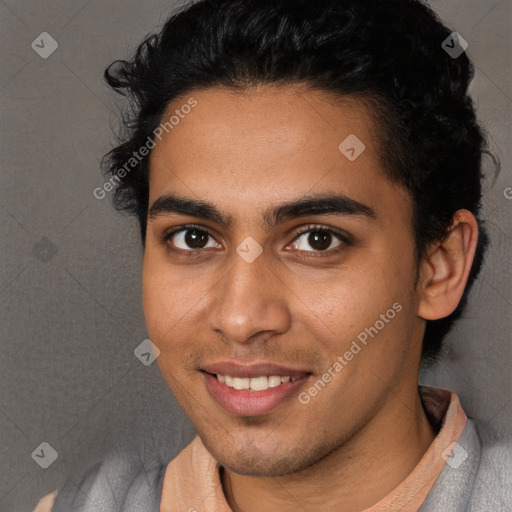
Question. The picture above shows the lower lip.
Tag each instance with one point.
(251, 403)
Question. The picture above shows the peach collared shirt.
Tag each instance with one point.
(192, 480)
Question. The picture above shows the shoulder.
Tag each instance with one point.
(46, 503)
(493, 483)
(479, 481)
(121, 479)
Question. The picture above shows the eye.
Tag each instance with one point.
(319, 239)
(190, 239)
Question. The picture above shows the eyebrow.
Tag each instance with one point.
(332, 204)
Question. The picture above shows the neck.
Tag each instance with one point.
(353, 477)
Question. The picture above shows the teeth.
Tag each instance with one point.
(274, 381)
(258, 383)
(239, 383)
(255, 383)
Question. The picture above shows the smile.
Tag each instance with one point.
(244, 396)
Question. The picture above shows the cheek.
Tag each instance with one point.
(158, 296)
(174, 302)
(352, 297)
(371, 305)
(153, 300)
(166, 297)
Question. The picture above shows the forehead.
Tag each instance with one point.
(269, 144)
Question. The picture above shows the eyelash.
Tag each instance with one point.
(342, 237)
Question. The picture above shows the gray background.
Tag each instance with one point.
(70, 291)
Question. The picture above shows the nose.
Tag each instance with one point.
(249, 302)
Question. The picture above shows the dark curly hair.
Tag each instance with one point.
(388, 52)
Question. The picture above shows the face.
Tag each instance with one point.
(271, 252)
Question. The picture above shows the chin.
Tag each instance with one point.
(254, 465)
(261, 459)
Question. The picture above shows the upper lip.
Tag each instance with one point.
(252, 370)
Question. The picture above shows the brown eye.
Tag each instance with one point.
(191, 239)
(196, 239)
(317, 240)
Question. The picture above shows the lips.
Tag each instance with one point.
(243, 402)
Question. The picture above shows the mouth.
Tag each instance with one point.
(260, 383)
(258, 394)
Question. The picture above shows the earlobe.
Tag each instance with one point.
(446, 269)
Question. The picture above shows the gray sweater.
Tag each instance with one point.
(122, 483)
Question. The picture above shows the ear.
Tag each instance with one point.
(445, 270)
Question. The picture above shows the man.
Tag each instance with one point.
(306, 176)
